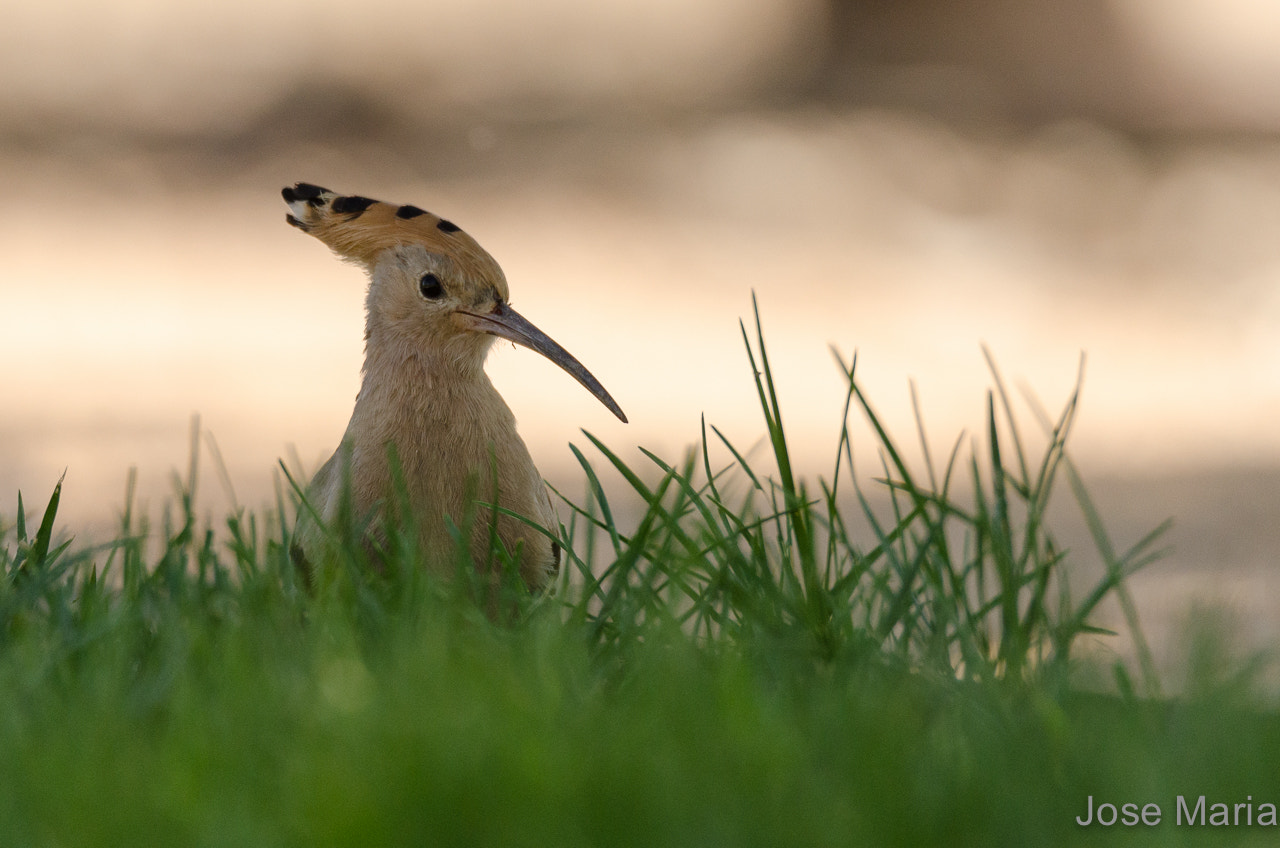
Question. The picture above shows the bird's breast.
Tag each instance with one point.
(459, 452)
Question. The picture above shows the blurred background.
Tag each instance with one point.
(910, 179)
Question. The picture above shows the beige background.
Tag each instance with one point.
(906, 179)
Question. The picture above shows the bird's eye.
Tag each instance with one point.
(430, 287)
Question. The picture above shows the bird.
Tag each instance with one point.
(436, 302)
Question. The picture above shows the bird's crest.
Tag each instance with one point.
(360, 228)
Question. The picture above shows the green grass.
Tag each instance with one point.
(753, 660)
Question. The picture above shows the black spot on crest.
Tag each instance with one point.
(447, 226)
(304, 191)
(408, 211)
(353, 204)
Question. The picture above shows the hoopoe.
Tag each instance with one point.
(436, 302)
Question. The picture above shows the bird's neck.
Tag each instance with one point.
(409, 384)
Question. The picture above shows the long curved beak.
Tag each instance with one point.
(506, 323)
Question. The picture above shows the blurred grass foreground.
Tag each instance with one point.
(740, 667)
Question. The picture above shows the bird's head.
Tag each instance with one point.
(430, 281)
